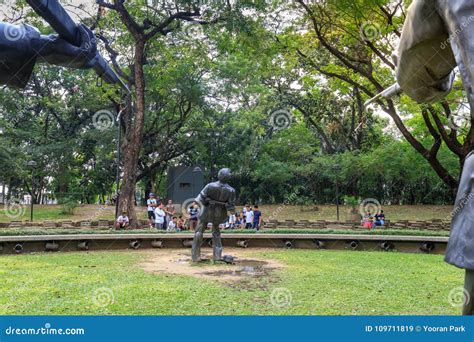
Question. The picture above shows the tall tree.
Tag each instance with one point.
(144, 22)
(359, 37)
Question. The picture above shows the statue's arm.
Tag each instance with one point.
(231, 202)
(55, 50)
(203, 196)
(17, 57)
(425, 60)
(22, 46)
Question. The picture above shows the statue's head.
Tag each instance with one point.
(224, 175)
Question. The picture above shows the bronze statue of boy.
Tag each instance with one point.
(216, 200)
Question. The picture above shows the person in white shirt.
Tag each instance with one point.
(151, 206)
(172, 225)
(122, 221)
(159, 217)
(232, 221)
(248, 218)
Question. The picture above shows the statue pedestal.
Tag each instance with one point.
(468, 307)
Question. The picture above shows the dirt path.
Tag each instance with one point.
(247, 268)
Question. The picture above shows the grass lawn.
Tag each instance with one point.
(328, 212)
(55, 213)
(279, 212)
(312, 283)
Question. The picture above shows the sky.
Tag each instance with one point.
(71, 6)
(86, 8)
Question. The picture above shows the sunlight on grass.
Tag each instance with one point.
(317, 282)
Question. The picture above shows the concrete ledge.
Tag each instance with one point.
(434, 224)
(106, 242)
(164, 236)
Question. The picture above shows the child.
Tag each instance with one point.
(172, 225)
(380, 219)
(232, 220)
(248, 218)
(257, 218)
(159, 217)
(180, 224)
(238, 221)
(367, 221)
(122, 221)
(193, 213)
(151, 206)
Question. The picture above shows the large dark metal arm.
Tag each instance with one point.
(62, 23)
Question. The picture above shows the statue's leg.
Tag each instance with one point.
(216, 242)
(458, 16)
(468, 308)
(197, 242)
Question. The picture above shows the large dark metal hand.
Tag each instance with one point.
(55, 50)
(62, 23)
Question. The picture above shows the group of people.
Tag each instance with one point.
(370, 221)
(248, 218)
(164, 217)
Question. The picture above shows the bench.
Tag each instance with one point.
(15, 224)
(85, 224)
(103, 224)
(66, 224)
(49, 224)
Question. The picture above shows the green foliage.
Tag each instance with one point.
(68, 205)
(210, 101)
(351, 200)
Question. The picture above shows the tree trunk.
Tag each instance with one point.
(133, 140)
(429, 155)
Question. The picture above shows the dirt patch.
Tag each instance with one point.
(247, 271)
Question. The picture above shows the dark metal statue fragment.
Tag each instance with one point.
(216, 199)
